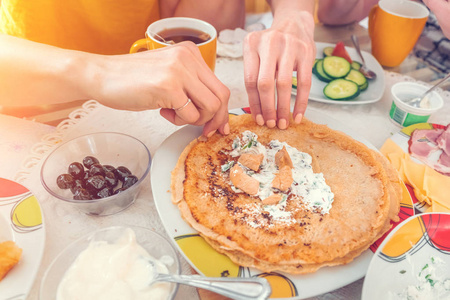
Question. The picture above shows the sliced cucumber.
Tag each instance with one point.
(294, 82)
(328, 51)
(364, 86)
(314, 66)
(320, 73)
(336, 67)
(356, 65)
(341, 89)
(357, 77)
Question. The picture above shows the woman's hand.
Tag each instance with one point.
(164, 78)
(270, 57)
(174, 79)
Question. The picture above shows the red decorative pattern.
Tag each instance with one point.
(10, 188)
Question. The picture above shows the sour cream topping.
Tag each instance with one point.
(110, 271)
(308, 187)
(432, 283)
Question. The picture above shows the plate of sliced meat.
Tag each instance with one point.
(421, 154)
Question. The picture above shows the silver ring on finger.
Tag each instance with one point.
(184, 105)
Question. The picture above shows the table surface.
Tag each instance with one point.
(27, 142)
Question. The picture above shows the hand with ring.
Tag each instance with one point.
(186, 104)
(175, 79)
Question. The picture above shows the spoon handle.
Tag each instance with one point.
(435, 86)
(239, 288)
(356, 44)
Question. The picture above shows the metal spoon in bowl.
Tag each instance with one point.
(418, 101)
(369, 74)
(255, 288)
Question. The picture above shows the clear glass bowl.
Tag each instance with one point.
(110, 148)
(155, 244)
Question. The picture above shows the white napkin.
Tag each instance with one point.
(230, 42)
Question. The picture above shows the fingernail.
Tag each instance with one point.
(298, 118)
(211, 133)
(259, 120)
(226, 129)
(271, 123)
(282, 124)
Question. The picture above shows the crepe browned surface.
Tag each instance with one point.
(394, 187)
(245, 260)
(235, 223)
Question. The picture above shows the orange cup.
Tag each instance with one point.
(394, 28)
(207, 49)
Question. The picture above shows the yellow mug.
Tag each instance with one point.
(394, 28)
(207, 49)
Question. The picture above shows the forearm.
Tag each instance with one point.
(340, 12)
(33, 73)
(222, 14)
(286, 11)
(286, 6)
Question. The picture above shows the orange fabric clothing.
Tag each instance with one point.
(97, 26)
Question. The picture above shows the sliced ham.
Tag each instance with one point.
(423, 143)
(444, 160)
(430, 134)
(439, 167)
(443, 141)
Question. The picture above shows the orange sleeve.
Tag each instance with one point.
(101, 26)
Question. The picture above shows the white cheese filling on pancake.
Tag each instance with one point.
(307, 187)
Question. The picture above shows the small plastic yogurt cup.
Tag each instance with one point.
(404, 114)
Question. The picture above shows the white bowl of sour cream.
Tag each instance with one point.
(112, 263)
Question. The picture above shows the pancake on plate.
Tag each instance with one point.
(291, 200)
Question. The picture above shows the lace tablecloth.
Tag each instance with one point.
(64, 224)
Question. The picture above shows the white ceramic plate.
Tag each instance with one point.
(207, 261)
(20, 221)
(372, 94)
(407, 254)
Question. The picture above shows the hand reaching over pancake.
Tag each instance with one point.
(186, 90)
(270, 58)
(174, 79)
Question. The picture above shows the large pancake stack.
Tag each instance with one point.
(366, 189)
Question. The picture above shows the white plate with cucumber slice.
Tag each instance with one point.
(371, 94)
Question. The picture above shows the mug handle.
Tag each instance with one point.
(372, 18)
(139, 45)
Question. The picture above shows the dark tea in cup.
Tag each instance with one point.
(167, 31)
(181, 34)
